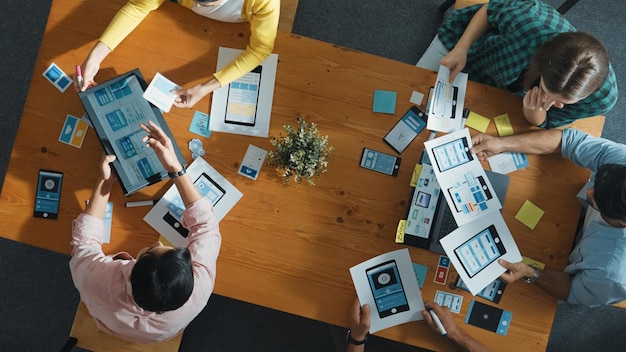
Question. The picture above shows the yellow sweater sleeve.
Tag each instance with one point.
(263, 16)
(126, 20)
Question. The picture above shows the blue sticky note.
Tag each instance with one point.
(420, 273)
(200, 124)
(384, 101)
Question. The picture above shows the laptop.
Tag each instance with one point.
(428, 223)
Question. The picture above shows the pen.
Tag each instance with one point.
(141, 203)
(438, 323)
(79, 76)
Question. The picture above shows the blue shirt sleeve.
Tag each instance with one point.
(591, 152)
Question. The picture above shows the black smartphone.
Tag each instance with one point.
(48, 194)
(380, 162)
(384, 280)
(243, 96)
(406, 129)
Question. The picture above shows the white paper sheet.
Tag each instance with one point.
(244, 100)
(462, 179)
(165, 217)
(392, 271)
(474, 250)
(159, 92)
(445, 111)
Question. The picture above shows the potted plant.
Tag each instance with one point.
(303, 153)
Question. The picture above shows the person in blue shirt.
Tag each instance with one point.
(596, 273)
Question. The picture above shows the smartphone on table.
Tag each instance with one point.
(406, 129)
(380, 162)
(48, 194)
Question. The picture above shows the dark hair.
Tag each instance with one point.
(609, 191)
(162, 281)
(573, 64)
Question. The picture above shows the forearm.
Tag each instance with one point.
(556, 283)
(187, 190)
(475, 29)
(539, 142)
(99, 198)
(97, 54)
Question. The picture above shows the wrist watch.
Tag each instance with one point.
(177, 174)
(351, 340)
(532, 279)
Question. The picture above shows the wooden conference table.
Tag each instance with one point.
(284, 247)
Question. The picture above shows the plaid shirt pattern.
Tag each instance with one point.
(517, 29)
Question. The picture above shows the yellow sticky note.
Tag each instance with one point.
(416, 174)
(477, 122)
(529, 214)
(535, 263)
(503, 125)
(400, 231)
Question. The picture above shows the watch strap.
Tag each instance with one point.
(351, 340)
(532, 279)
(177, 174)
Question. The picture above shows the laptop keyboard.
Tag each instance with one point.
(447, 223)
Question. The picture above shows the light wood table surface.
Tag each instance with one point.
(284, 247)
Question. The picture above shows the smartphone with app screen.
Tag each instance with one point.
(406, 129)
(384, 280)
(48, 194)
(380, 162)
(243, 97)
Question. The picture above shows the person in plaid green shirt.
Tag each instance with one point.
(527, 47)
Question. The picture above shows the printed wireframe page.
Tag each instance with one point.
(475, 249)
(445, 112)
(389, 285)
(462, 179)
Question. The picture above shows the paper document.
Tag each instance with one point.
(388, 284)
(462, 179)
(166, 216)
(159, 92)
(475, 249)
(445, 109)
(245, 105)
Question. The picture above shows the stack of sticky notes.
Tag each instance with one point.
(384, 101)
(477, 122)
(529, 214)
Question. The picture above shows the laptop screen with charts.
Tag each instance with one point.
(441, 222)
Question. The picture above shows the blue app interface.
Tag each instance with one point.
(378, 161)
(386, 287)
(480, 251)
(48, 192)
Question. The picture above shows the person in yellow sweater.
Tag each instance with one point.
(262, 15)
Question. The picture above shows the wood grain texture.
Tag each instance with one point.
(284, 247)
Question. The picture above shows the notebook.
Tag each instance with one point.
(115, 109)
(440, 222)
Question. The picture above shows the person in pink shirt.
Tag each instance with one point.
(154, 296)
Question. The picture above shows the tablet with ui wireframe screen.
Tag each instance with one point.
(116, 108)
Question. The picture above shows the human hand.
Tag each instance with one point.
(107, 176)
(162, 145)
(455, 60)
(359, 320)
(444, 315)
(186, 98)
(514, 271)
(486, 146)
(536, 99)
